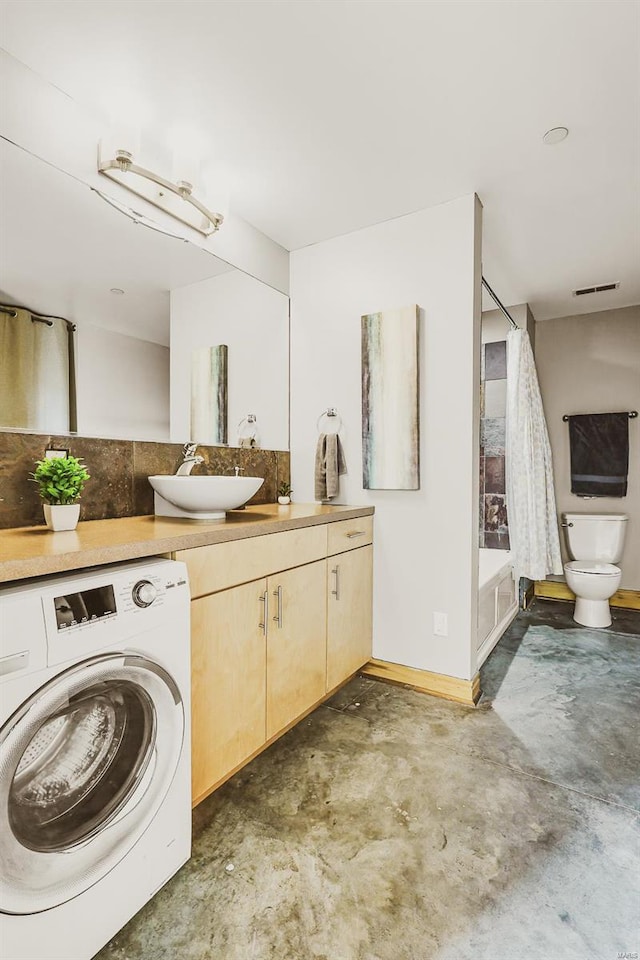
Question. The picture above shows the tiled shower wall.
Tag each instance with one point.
(119, 470)
(494, 530)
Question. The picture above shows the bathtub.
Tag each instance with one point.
(497, 599)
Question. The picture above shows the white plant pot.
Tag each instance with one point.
(284, 500)
(61, 516)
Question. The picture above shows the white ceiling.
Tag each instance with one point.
(62, 249)
(331, 115)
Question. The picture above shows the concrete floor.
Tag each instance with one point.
(391, 825)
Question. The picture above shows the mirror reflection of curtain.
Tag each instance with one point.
(209, 395)
(37, 384)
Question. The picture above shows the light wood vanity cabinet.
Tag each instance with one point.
(228, 694)
(277, 623)
(296, 644)
(224, 565)
(349, 613)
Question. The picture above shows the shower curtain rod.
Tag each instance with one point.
(11, 308)
(499, 304)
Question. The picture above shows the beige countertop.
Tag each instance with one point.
(36, 551)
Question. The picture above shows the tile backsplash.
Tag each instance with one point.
(494, 527)
(119, 469)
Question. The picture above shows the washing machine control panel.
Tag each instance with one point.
(94, 607)
(76, 608)
(100, 609)
(144, 593)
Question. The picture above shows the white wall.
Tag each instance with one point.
(591, 364)
(253, 320)
(122, 385)
(426, 542)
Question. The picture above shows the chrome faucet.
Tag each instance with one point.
(189, 460)
(238, 470)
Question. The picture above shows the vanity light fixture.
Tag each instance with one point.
(160, 192)
(136, 217)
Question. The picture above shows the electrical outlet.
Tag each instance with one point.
(440, 625)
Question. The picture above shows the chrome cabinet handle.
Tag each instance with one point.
(336, 590)
(565, 524)
(278, 617)
(264, 598)
(356, 533)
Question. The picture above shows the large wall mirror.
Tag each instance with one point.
(131, 312)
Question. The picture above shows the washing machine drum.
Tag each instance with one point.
(85, 764)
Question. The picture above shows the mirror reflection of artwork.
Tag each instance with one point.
(390, 424)
(209, 395)
(37, 388)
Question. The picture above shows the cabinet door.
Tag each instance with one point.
(349, 626)
(297, 643)
(228, 695)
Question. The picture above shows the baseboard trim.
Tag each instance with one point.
(558, 590)
(436, 684)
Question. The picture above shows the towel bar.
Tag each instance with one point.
(632, 414)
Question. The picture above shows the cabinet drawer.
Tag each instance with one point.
(225, 565)
(349, 534)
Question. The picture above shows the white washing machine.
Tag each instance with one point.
(95, 803)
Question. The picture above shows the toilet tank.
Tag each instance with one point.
(595, 536)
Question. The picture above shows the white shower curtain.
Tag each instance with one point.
(531, 502)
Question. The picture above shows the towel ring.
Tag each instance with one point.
(329, 412)
(250, 418)
(248, 431)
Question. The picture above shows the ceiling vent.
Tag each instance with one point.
(599, 288)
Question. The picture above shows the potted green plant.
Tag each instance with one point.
(60, 482)
(284, 493)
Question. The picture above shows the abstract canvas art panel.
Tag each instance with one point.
(209, 395)
(390, 416)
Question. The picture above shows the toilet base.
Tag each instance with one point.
(592, 613)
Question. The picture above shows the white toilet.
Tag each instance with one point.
(594, 542)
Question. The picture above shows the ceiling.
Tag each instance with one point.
(331, 116)
(63, 249)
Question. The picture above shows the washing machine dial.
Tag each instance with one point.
(144, 593)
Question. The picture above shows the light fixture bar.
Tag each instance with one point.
(122, 167)
(136, 216)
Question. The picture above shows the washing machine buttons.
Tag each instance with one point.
(144, 593)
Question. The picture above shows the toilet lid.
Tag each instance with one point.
(591, 566)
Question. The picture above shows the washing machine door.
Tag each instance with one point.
(85, 764)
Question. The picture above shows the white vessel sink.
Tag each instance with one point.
(201, 498)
